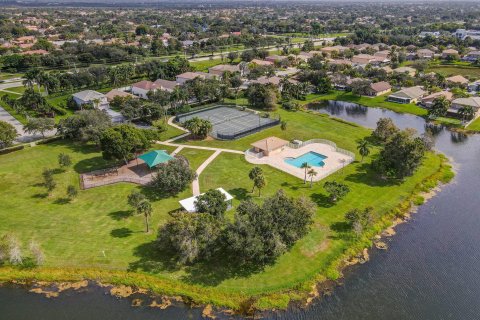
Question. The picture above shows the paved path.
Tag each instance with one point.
(23, 137)
(6, 85)
(176, 151)
(168, 143)
(195, 183)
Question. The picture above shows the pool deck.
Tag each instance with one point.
(334, 161)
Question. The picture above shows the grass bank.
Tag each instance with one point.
(97, 236)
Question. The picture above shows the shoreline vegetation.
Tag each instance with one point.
(124, 284)
(435, 170)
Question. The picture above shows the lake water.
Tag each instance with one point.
(430, 271)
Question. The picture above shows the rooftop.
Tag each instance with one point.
(270, 143)
(189, 203)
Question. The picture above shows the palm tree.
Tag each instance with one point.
(260, 183)
(253, 174)
(144, 207)
(305, 166)
(311, 173)
(363, 148)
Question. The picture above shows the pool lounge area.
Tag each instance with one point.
(323, 156)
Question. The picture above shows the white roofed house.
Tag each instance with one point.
(407, 95)
(97, 99)
(189, 204)
(472, 56)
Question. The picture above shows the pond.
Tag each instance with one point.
(430, 271)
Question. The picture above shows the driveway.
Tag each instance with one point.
(22, 135)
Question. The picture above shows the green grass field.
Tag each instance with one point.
(446, 70)
(475, 125)
(97, 230)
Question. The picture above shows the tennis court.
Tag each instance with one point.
(230, 123)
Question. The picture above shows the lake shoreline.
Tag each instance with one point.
(124, 284)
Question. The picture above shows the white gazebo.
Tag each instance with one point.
(189, 203)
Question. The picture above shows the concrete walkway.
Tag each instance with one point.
(23, 137)
(168, 143)
(195, 183)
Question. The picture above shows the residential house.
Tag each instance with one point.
(383, 54)
(344, 62)
(410, 71)
(407, 95)
(118, 93)
(449, 52)
(184, 77)
(262, 62)
(362, 59)
(428, 100)
(39, 51)
(275, 58)
(99, 100)
(474, 86)
(220, 69)
(142, 88)
(463, 34)
(460, 103)
(165, 85)
(379, 88)
(434, 34)
(425, 54)
(472, 56)
(457, 80)
(330, 50)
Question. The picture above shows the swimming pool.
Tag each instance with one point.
(312, 158)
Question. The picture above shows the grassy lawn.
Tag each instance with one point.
(19, 90)
(98, 230)
(205, 64)
(475, 125)
(5, 76)
(447, 70)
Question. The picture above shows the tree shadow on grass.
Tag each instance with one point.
(40, 195)
(121, 233)
(62, 201)
(218, 269)
(120, 215)
(153, 259)
(78, 147)
(321, 200)
(240, 193)
(367, 176)
(92, 164)
(289, 186)
(342, 230)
